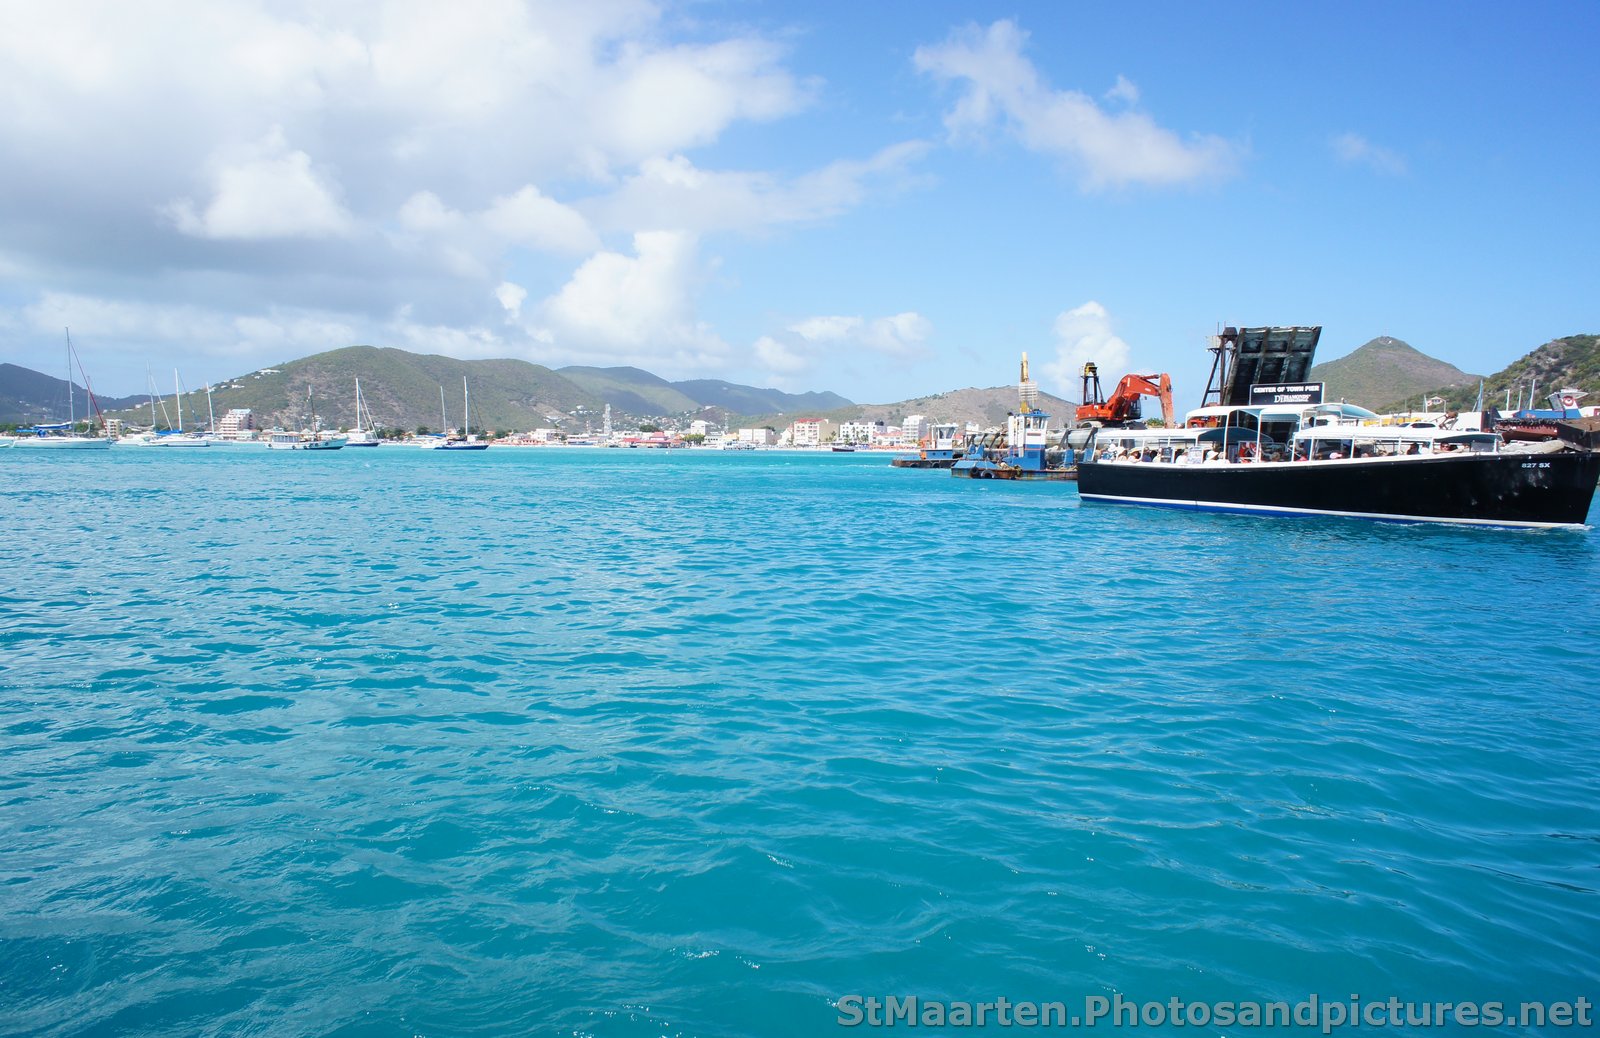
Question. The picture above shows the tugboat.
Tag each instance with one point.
(1276, 449)
(1025, 453)
(945, 447)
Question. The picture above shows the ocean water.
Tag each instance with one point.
(552, 742)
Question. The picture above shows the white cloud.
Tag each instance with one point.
(1084, 334)
(145, 331)
(1354, 149)
(270, 192)
(529, 218)
(826, 329)
(901, 335)
(1001, 86)
(637, 308)
(424, 212)
(670, 191)
(511, 297)
(846, 340)
(1123, 90)
(778, 358)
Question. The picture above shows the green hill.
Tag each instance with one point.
(28, 396)
(402, 391)
(1386, 369)
(630, 390)
(1572, 362)
(400, 388)
(987, 407)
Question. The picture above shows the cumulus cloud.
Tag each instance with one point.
(1084, 334)
(1355, 150)
(779, 359)
(634, 307)
(272, 191)
(402, 155)
(529, 218)
(999, 85)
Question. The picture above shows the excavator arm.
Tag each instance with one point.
(1120, 406)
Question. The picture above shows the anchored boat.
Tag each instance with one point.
(1277, 449)
(1025, 452)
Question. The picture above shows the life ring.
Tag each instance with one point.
(1569, 401)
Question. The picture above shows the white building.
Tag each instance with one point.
(758, 437)
(913, 429)
(862, 432)
(809, 432)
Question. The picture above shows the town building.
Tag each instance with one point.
(236, 421)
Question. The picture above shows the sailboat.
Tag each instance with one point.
(313, 439)
(64, 435)
(466, 441)
(177, 437)
(365, 433)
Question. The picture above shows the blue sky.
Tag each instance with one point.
(878, 199)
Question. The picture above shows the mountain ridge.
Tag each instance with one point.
(1384, 369)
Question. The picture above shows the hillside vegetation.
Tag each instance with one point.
(987, 407)
(1571, 362)
(28, 396)
(1387, 369)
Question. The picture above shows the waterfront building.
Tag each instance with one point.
(862, 432)
(758, 437)
(238, 420)
(810, 432)
(914, 429)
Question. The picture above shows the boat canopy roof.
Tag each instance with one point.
(1283, 412)
(1393, 433)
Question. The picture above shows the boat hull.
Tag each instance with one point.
(1480, 489)
(61, 443)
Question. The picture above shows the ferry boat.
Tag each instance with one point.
(1297, 457)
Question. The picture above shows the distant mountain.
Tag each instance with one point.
(630, 390)
(1387, 369)
(749, 399)
(402, 391)
(1572, 362)
(28, 396)
(987, 407)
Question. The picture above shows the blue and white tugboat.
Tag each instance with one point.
(944, 447)
(1025, 452)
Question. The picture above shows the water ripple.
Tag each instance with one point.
(639, 743)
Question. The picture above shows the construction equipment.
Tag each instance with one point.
(1123, 405)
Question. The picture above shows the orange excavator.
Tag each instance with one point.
(1123, 405)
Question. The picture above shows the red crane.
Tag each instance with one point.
(1124, 402)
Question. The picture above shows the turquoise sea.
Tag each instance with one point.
(566, 742)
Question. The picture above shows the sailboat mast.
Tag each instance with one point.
(466, 409)
(444, 419)
(211, 413)
(72, 415)
(177, 397)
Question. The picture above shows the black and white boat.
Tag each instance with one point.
(1277, 449)
(1368, 472)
